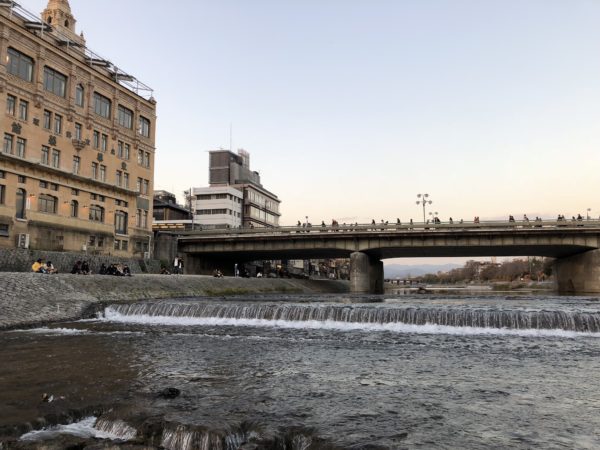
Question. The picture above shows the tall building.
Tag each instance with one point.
(259, 207)
(77, 159)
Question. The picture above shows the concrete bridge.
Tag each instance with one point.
(574, 244)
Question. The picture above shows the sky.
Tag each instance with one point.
(350, 108)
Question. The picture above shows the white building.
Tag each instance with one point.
(217, 206)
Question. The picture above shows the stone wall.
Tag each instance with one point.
(20, 260)
(28, 299)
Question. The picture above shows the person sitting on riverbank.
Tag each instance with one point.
(85, 268)
(126, 271)
(38, 266)
(50, 268)
(164, 271)
(217, 273)
(76, 270)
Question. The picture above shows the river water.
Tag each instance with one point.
(405, 372)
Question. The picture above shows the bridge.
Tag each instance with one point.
(574, 244)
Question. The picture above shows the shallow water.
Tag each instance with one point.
(351, 371)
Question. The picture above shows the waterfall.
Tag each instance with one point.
(116, 429)
(481, 318)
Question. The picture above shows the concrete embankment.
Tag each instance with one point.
(28, 299)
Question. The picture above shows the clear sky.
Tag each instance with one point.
(349, 108)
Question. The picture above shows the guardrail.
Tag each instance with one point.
(395, 228)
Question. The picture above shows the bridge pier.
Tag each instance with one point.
(578, 274)
(366, 274)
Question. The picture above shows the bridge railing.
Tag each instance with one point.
(401, 227)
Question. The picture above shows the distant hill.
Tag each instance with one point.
(402, 271)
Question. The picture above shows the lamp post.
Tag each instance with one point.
(423, 200)
(588, 213)
(433, 215)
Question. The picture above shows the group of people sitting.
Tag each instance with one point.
(40, 266)
(118, 270)
(81, 268)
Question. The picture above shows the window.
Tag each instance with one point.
(126, 180)
(104, 143)
(74, 191)
(7, 147)
(125, 117)
(57, 124)
(43, 184)
(138, 185)
(144, 219)
(145, 187)
(20, 65)
(147, 160)
(119, 178)
(54, 186)
(100, 241)
(120, 149)
(23, 110)
(95, 171)
(21, 144)
(138, 218)
(120, 222)
(96, 213)
(21, 202)
(78, 131)
(22, 179)
(102, 172)
(124, 245)
(56, 158)
(55, 82)
(96, 139)
(47, 204)
(2, 193)
(102, 105)
(45, 155)
(92, 241)
(2, 174)
(79, 95)
(76, 164)
(140, 157)
(74, 208)
(144, 126)
(117, 244)
(11, 105)
(47, 120)
(126, 151)
(4, 230)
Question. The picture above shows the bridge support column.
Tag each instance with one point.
(578, 274)
(366, 274)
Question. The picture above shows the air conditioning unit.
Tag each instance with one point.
(23, 241)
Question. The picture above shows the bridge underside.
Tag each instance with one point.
(575, 249)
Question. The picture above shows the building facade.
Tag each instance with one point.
(259, 207)
(217, 206)
(77, 158)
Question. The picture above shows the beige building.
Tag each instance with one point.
(77, 157)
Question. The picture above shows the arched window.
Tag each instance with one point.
(21, 203)
(120, 222)
(79, 95)
(96, 213)
(47, 204)
(74, 208)
(49, 19)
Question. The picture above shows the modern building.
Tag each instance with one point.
(218, 206)
(227, 170)
(77, 159)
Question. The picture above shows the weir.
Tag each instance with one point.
(367, 315)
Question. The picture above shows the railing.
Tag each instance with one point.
(404, 228)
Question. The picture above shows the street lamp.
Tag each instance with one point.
(433, 215)
(588, 213)
(423, 201)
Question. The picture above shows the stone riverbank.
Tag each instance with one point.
(29, 299)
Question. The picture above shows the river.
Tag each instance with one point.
(430, 371)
